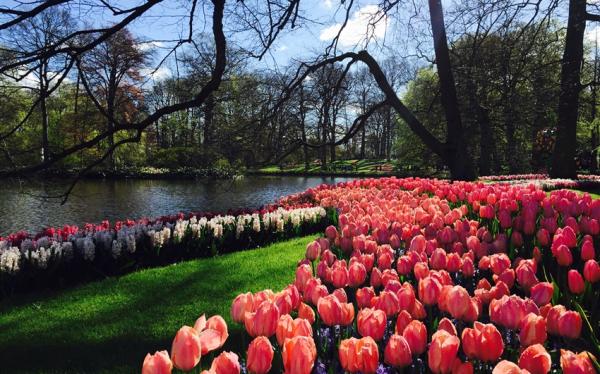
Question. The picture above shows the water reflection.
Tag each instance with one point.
(96, 200)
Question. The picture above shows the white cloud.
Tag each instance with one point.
(161, 73)
(328, 4)
(146, 46)
(282, 48)
(360, 28)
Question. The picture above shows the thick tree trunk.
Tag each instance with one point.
(457, 155)
(563, 157)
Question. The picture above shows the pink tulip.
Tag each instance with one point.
(158, 363)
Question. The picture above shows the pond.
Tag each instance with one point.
(23, 208)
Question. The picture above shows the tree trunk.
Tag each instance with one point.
(457, 155)
(44, 111)
(563, 157)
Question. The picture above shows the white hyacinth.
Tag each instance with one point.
(116, 249)
(10, 259)
(89, 249)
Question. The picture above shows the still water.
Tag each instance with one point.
(22, 206)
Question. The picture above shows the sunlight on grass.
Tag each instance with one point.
(108, 326)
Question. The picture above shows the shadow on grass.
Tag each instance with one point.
(109, 326)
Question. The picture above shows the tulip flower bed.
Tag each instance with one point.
(72, 254)
(422, 276)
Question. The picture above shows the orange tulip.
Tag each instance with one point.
(442, 352)
(333, 312)
(415, 334)
(402, 321)
(186, 349)
(388, 302)
(371, 322)
(535, 359)
(299, 355)
(288, 328)
(242, 304)
(482, 342)
(397, 352)
(260, 355)
(572, 363)
(533, 330)
(213, 332)
(306, 312)
(506, 367)
(359, 355)
(158, 363)
(225, 363)
(447, 325)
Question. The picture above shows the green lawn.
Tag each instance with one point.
(109, 326)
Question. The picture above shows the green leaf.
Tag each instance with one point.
(583, 315)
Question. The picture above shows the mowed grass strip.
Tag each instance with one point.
(110, 325)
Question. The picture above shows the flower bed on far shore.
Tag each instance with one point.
(543, 181)
(57, 257)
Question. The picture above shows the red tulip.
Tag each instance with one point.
(225, 363)
(371, 322)
(569, 324)
(591, 271)
(299, 355)
(553, 317)
(541, 293)
(333, 312)
(339, 274)
(415, 334)
(359, 355)
(587, 250)
(563, 254)
(533, 330)
(467, 269)
(397, 352)
(458, 301)
(447, 325)
(158, 363)
(303, 274)
(364, 296)
(186, 349)
(535, 359)
(260, 355)
(576, 282)
(572, 363)
(442, 352)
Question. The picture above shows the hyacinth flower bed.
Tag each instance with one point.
(543, 181)
(421, 276)
(71, 254)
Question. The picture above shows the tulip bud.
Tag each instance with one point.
(158, 363)
(397, 352)
(260, 356)
(576, 283)
(186, 349)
